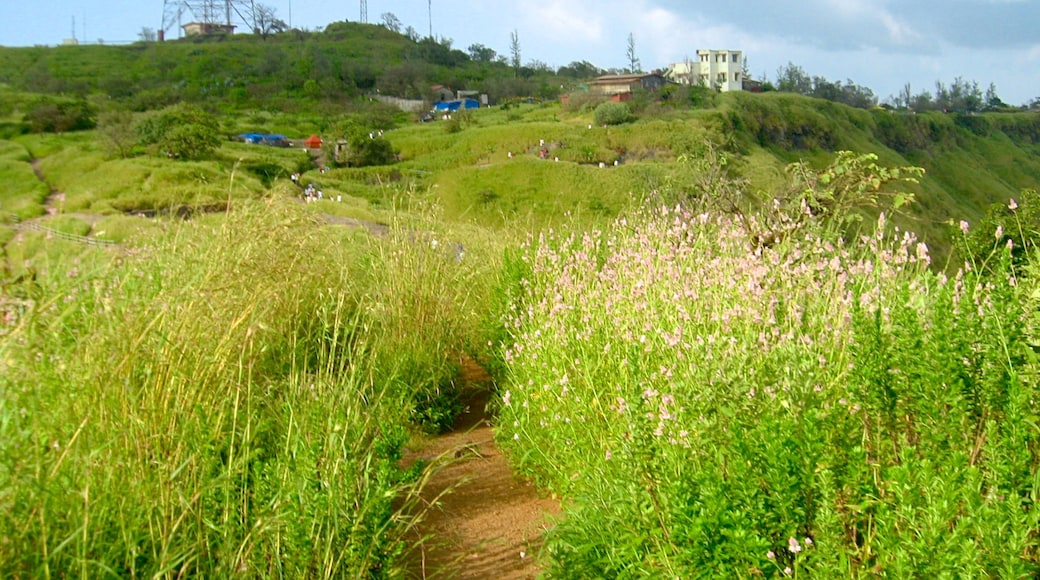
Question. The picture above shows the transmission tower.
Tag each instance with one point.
(364, 11)
(239, 13)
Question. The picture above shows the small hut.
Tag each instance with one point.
(312, 142)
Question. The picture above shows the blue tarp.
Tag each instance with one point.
(457, 104)
(265, 139)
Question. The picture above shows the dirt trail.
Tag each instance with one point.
(489, 523)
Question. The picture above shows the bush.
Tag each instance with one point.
(709, 409)
(49, 116)
(183, 131)
(611, 113)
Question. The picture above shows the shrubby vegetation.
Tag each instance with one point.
(723, 388)
(181, 131)
(612, 114)
(60, 116)
(239, 407)
(711, 407)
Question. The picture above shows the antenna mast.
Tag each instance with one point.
(209, 12)
(364, 11)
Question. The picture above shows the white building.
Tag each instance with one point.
(721, 70)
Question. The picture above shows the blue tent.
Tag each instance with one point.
(254, 138)
(451, 106)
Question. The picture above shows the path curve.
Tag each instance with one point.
(488, 522)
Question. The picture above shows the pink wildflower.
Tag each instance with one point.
(964, 227)
(1012, 205)
(793, 545)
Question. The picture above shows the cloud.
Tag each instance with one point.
(565, 22)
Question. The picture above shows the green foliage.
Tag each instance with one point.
(783, 122)
(60, 116)
(708, 408)
(258, 413)
(1012, 226)
(182, 131)
(23, 194)
(611, 113)
(116, 127)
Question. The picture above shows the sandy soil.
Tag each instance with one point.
(488, 523)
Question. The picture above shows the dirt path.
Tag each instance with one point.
(488, 523)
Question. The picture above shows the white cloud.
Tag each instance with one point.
(565, 22)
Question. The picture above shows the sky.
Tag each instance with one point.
(880, 44)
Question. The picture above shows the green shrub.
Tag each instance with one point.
(708, 408)
(611, 113)
(60, 116)
(183, 131)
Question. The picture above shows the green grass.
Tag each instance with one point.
(249, 377)
(240, 403)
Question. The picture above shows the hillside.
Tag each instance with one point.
(215, 354)
(292, 70)
(971, 162)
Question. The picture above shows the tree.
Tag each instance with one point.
(537, 66)
(182, 131)
(992, 100)
(481, 53)
(905, 96)
(412, 34)
(580, 70)
(793, 79)
(265, 22)
(633, 61)
(391, 22)
(116, 126)
(514, 50)
(147, 34)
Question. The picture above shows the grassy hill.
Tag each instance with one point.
(203, 375)
(486, 166)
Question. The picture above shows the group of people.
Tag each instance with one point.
(311, 191)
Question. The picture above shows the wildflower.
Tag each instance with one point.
(787, 570)
(999, 233)
(771, 555)
(793, 545)
(808, 541)
(964, 227)
(1012, 205)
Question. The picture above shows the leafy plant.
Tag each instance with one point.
(60, 116)
(611, 113)
(182, 131)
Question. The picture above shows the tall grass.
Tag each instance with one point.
(713, 409)
(426, 292)
(210, 403)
